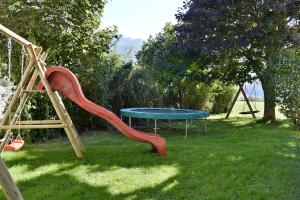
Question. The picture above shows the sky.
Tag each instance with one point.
(138, 19)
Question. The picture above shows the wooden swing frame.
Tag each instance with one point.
(241, 90)
(35, 68)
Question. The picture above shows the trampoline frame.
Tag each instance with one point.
(182, 114)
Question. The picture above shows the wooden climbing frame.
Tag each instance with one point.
(35, 68)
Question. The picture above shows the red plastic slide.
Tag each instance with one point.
(65, 82)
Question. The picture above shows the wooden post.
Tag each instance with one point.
(71, 128)
(55, 103)
(234, 100)
(9, 187)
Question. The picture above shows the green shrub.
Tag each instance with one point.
(197, 95)
(133, 86)
(223, 98)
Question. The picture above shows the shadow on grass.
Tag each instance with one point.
(238, 159)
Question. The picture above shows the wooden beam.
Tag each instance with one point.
(55, 103)
(14, 36)
(39, 122)
(33, 126)
(233, 103)
(33, 91)
(7, 183)
(71, 127)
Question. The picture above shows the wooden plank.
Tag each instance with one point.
(233, 103)
(34, 126)
(7, 183)
(39, 122)
(33, 91)
(8, 33)
(71, 127)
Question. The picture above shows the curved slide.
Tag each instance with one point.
(65, 82)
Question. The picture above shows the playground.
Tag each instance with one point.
(205, 107)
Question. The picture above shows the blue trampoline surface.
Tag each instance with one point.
(164, 113)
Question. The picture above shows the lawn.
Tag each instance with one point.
(238, 159)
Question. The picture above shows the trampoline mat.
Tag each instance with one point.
(163, 111)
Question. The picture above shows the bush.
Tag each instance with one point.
(223, 98)
(287, 85)
(133, 86)
(197, 95)
(215, 97)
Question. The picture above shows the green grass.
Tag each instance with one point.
(238, 159)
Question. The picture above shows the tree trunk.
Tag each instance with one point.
(269, 100)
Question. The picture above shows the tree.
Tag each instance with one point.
(242, 37)
(164, 62)
(287, 87)
(69, 32)
(175, 78)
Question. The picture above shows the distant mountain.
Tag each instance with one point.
(128, 47)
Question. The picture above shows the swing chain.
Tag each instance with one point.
(253, 101)
(9, 48)
(23, 54)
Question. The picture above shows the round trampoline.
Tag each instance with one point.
(164, 113)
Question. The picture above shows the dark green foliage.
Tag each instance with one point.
(188, 94)
(287, 87)
(133, 86)
(39, 107)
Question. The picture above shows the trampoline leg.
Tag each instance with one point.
(122, 117)
(186, 128)
(155, 126)
(130, 122)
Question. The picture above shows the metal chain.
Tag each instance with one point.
(23, 54)
(9, 48)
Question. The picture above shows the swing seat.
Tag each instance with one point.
(249, 112)
(16, 145)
